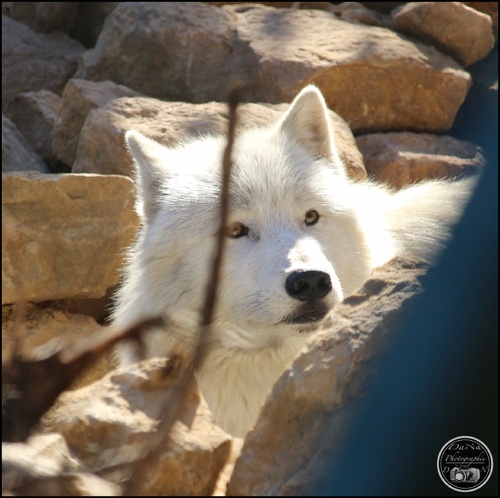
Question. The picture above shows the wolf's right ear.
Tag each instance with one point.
(150, 171)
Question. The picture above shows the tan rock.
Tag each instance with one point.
(171, 123)
(362, 70)
(17, 153)
(119, 428)
(191, 463)
(35, 114)
(43, 455)
(370, 76)
(63, 236)
(227, 471)
(44, 467)
(115, 428)
(458, 30)
(356, 11)
(78, 99)
(287, 5)
(400, 159)
(180, 52)
(71, 484)
(34, 61)
(490, 8)
(98, 308)
(306, 413)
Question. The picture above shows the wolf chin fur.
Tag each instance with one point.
(302, 236)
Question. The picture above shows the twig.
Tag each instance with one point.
(172, 412)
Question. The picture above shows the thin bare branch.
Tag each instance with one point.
(172, 412)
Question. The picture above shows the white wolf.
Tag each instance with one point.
(302, 236)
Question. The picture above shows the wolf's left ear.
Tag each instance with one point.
(150, 171)
(307, 121)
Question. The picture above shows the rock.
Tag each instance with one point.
(356, 11)
(362, 70)
(44, 455)
(45, 17)
(173, 122)
(44, 467)
(181, 62)
(40, 325)
(458, 30)
(490, 8)
(307, 411)
(400, 159)
(119, 428)
(64, 235)
(287, 5)
(226, 472)
(71, 484)
(48, 453)
(34, 61)
(35, 114)
(121, 421)
(191, 463)
(17, 153)
(78, 99)
(98, 309)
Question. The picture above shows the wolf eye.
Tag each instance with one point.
(312, 216)
(236, 230)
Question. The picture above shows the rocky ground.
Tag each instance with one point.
(409, 89)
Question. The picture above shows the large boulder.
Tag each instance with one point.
(171, 123)
(63, 236)
(374, 78)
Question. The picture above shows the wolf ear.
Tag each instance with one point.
(150, 171)
(307, 121)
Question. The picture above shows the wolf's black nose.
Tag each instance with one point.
(308, 285)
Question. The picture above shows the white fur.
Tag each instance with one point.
(279, 174)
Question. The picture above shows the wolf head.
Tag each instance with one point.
(297, 242)
(301, 235)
